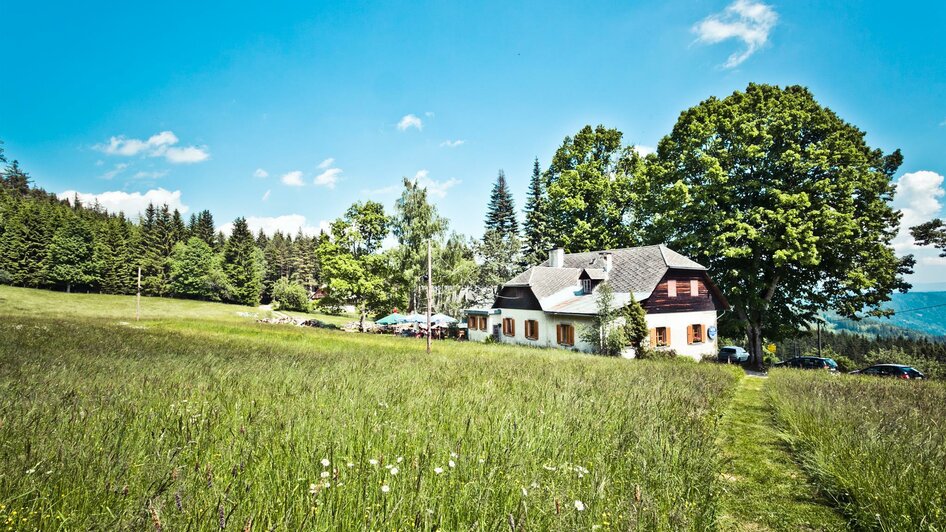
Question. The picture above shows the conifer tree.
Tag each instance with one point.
(536, 238)
(501, 213)
(243, 265)
(70, 253)
(202, 226)
(23, 246)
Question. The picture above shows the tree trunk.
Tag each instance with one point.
(754, 335)
(68, 288)
(361, 321)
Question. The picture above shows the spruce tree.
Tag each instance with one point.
(501, 213)
(243, 265)
(537, 242)
(202, 226)
(70, 253)
(23, 246)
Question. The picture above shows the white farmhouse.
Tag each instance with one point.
(549, 304)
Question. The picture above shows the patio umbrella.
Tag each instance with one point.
(416, 318)
(391, 319)
(442, 318)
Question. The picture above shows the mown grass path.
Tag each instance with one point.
(763, 489)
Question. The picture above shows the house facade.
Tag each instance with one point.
(548, 305)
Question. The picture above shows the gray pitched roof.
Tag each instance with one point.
(633, 269)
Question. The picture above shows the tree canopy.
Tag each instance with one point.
(784, 202)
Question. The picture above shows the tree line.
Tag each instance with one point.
(777, 195)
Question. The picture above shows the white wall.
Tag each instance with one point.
(678, 322)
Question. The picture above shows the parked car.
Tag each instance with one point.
(899, 371)
(732, 354)
(809, 363)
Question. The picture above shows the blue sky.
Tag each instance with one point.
(192, 103)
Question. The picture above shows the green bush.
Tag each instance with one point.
(290, 296)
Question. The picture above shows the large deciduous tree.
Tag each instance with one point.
(415, 223)
(590, 203)
(784, 202)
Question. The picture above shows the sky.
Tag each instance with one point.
(286, 113)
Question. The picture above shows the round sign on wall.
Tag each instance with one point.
(711, 332)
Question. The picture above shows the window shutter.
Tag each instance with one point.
(653, 337)
(512, 327)
(667, 343)
(689, 334)
(558, 334)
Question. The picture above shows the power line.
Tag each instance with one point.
(919, 308)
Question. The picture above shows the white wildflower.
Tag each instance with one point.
(373, 462)
(324, 474)
(453, 455)
(312, 488)
(327, 484)
(350, 465)
(389, 466)
(580, 506)
(325, 462)
(395, 471)
(525, 493)
(451, 463)
(482, 461)
(438, 470)
(385, 488)
(400, 459)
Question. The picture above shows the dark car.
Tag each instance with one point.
(809, 363)
(733, 355)
(899, 371)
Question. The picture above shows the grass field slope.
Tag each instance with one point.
(199, 418)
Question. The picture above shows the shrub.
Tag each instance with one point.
(290, 296)
(646, 353)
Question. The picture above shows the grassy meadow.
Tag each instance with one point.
(877, 447)
(198, 418)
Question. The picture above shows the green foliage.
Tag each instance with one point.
(932, 233)
(290, 296)
(352, 280)
(784, 202)
(243, 265)
(196, 272)
(415, 224)
(605, 334)
(202, 226)
(872, 445)
(455, 275)
(536, 243)
(497, 263)
(649, 353)
(636, 333)
(501, 211)
(589, 192)
(362, 229)
(69, 256)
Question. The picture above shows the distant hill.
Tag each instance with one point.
(918, 315)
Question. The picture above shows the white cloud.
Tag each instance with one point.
(260, 173)
(328, 178)
(129, 203)
(158, 145)
(746, 20)
(287, 224)
(435, 188)
(187, 155)
(917, 198)
(644, 151)
(119, 168)
(452, 143)
(149, 175)
(266, 195)
(327, 163)
(409, 121)
(932, 261)
(293, 179)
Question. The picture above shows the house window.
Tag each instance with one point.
(695, 287)
(586, 286)
(483, 323)
(695, 334)
(672, 288)
(509, 326)
(565, 334)
(472, 322)
(532, 329)
(660, 337)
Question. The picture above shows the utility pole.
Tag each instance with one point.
(819, 337)
(138, 298)
(430, 290)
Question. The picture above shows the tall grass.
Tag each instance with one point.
(876, 446)
(208, 424)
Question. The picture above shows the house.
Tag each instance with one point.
(549, 304)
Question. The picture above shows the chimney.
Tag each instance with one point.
(557, 258)
(608, 262)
